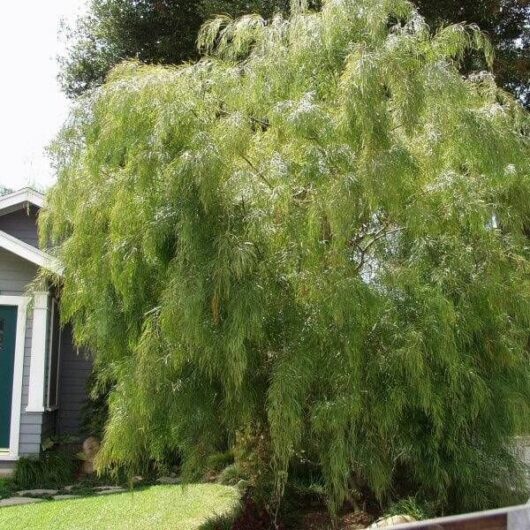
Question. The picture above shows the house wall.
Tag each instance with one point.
(6, 469)
(75, 368)
(15, 275)
(22, 224)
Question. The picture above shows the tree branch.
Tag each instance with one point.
(256, 171)
(383, 232)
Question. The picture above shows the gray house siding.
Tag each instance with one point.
(15, 275)
(74, 369)
(6, 468)
(30, 423)
(22, 224)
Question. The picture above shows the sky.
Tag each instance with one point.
(32, 107)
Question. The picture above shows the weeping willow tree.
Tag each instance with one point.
(319, 233)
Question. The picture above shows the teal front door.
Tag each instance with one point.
(8, 332)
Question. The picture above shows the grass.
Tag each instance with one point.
(160, 507)
(413, 507)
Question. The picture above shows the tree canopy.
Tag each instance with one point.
(317, 234)
(151, 31)
(165, 31)
(507, 24)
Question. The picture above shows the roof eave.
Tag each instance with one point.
(30, 253)
(18, 199)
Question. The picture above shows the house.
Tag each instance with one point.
(42, 376)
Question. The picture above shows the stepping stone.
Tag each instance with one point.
(15, 501)
(169, 480)
(65, 497)
(393, 520)
(37, 493)
(107, 492)
(69, 488)
(109, 488)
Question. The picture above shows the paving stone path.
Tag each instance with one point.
(169, 480)
(114, 490)
(15, 501)
(65, 497)
(39, 495)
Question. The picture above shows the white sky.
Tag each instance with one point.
(32, 107)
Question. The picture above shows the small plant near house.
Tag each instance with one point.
(53, 469)
(6, 488)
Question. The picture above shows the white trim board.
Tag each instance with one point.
(29, 253)
(37, 366)
(21, 303)
(17, 199)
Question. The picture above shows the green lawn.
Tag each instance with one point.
(157, 507)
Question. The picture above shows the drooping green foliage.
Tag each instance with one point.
(317, 233)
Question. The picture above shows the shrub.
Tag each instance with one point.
(219, 461)
(53, 469)
(6, 487)
(411, 506)
(231, 475)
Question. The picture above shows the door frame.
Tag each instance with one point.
(21, 303)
